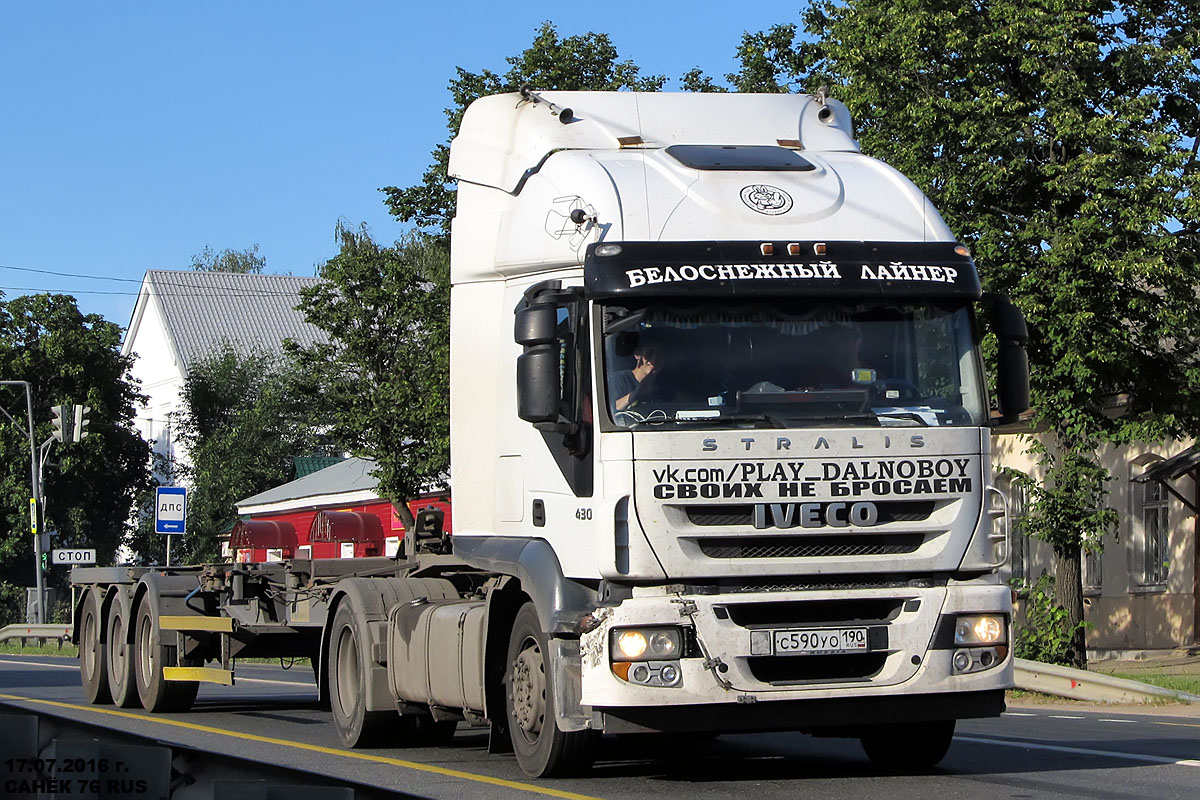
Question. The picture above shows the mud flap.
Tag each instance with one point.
(568, 685)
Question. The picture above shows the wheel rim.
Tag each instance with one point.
(116, 641)
(528, 690)
(146, 650)
(91, 642)
(347, 671)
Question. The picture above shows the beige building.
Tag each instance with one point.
(1142, 591)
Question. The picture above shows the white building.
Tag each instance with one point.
(182, 317)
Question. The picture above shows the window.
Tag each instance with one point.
(1093, 570)
(1150, 516)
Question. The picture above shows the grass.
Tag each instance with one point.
(1178, 683)
(13, 647)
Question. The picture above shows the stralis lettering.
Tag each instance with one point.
(821, 270)
(800, 479)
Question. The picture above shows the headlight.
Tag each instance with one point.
(980, 629)
(633, 644)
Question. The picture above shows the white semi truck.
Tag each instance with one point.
(720, 460)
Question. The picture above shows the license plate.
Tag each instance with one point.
(816, 641)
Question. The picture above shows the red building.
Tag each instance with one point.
(344, 487)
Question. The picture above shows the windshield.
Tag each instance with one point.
(792, 364)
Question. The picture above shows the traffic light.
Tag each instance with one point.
(45, 561)
(80, 430)
(61, 422)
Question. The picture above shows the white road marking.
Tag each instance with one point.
(239, 679)
(1058, 748)
(1126, 721)
(24, 663)
(1065, 716)
(1017, 714)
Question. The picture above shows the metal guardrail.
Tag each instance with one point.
(31, 631)
(1077, 684)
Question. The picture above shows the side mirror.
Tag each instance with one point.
(546, 371)
(1012, 367)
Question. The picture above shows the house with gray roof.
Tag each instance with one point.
(182, 317)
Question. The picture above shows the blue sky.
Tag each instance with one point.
(134, 134)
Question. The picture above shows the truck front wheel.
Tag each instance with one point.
(913, 747)
(93, 658)
(542, 749)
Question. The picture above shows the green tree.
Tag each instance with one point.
(586, 62)
(384, 374)
(88, 486)
(244, 261)
(244, 418)
(1058, 140)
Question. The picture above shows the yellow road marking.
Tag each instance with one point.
(312, 748)
(1178, 724)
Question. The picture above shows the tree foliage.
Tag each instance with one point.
(1058, 140)
(244, 418)
(384, 375)
(585, 62)
(69, 358)
(244, 261)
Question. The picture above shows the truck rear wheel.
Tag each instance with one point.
(542, 749)
(150, 656)
(121, 681)
(913, 747)
(347, 669)
(93, 658)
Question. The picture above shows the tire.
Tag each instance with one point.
(93, 656)
(347, 671)
(150, 655)
(915, 747)
(121, 681)
(542, 749)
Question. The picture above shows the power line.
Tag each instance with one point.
(214, 292)
(191, 290)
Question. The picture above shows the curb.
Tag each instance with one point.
(1077, 684)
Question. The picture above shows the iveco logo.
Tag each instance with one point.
(815, 515)
(767, 199)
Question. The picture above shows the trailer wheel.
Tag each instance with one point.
(909, 748)
(121, 681)
(542, 749)
(347, 672)
(93, 659)
(150, 655)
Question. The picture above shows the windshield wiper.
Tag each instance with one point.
(921, 421)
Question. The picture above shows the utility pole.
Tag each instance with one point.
(35, 510)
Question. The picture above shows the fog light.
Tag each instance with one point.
(669, 674)
(962, 661)
(986, 658)
(639, 674)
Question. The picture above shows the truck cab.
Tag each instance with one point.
(736, 450)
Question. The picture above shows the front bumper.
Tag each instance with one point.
(909, 654)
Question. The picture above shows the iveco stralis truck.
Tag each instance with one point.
(720, 459)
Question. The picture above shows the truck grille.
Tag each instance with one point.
(816, 613)
(842, 667)
(810, 546)
(743, 514)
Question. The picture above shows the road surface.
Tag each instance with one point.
(1034, 752)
